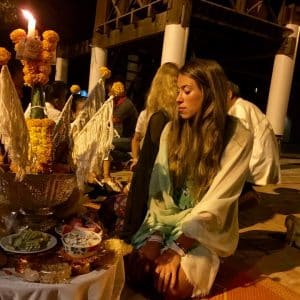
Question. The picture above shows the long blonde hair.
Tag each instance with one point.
(163, 91)
(195, 145)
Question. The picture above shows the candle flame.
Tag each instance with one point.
(28, 15)
(31, 23)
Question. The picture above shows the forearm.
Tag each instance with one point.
(135, 146)
(135, 150)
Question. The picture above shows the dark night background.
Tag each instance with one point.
(247, 58)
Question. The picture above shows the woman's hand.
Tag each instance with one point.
(151, 250)
(141, 261)
(166, 271)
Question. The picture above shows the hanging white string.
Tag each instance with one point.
(93, 103)
(13, 129)
(93, 143)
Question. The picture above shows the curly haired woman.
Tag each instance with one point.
(160, 108)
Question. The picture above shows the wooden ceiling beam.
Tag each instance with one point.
(136, 24)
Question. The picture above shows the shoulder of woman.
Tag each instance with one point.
(247, 111)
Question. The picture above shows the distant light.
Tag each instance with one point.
(256, 90)
(83, 93)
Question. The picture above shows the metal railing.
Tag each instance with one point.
(131, 17)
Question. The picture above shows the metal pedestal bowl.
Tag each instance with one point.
(37, 194)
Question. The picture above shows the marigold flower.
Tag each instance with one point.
(4, 56)
(118, 246)
(30, 79)
(42, 78)
(105, 73)
(40, 132)
(75, 88)
(17, 35)
(117, 89)
(46, 56)
(30, 67)
(51, 36)
(48, 46)
(44, 68)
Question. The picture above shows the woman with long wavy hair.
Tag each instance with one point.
(198, 175)
(160, 108)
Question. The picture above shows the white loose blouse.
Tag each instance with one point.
(264, 166)
(217, 235)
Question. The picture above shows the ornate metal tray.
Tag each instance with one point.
(36, 191)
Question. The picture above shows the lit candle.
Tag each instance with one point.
(31, 23)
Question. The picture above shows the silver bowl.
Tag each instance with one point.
(36, 191)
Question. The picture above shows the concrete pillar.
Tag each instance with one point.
(281, 81)
(175, 44)
(61, 69)
(98, 59)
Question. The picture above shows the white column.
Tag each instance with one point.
(175, 44)
(281, 81)
(98, 59)
(61, 69)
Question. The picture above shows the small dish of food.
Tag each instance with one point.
(81, 243)
(83, 223)
(28, 241)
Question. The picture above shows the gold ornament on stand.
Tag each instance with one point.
(36, 55)
(32, 186)
(33, 183)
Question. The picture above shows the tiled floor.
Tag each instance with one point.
(262, 250)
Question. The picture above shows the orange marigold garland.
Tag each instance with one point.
(36, 56)
(41, 146)
(17, 35)
(51, 36)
